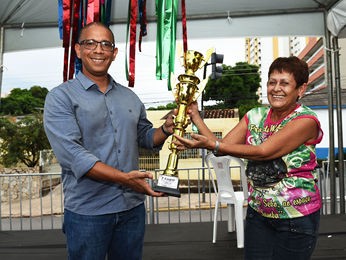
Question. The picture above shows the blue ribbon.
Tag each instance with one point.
(60, 19)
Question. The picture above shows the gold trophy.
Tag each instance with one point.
(185, 92)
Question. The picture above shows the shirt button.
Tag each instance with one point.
(118, 151)
(111, 112)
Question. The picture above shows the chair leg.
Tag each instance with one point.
(231, 220)
(239, 216)
(215, 221)
(244, 211)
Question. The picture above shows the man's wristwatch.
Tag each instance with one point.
(165, 131)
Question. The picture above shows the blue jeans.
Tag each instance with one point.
(271, 239)
(118, 236)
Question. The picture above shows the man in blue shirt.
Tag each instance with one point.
(95, 127)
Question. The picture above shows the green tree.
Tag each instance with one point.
(23, 101)
(22, 141)
(39, 92)
(237, 87)
(169, 106)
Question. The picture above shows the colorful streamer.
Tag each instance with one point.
(90, 11)
(108, 12)
(66, 36)
(143, 21)
(102, 11)
(72, 16)
(183, 21)
(60, 18)
(166, 11)
(131, 29)
(131, 36)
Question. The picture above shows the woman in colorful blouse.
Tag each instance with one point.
(279, 144)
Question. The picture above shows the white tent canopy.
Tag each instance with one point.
(28, 24)
(336, 19)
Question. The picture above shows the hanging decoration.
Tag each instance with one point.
(135, 6)
(131, 29)
(183, 22)
(166, 11)
(72, 16)
(142, 21)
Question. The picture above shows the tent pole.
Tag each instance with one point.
(331, 152)
(1, 57)
(339, 123)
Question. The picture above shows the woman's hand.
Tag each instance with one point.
(197, 141)
(192, 111)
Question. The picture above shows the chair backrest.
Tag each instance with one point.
(222, 166)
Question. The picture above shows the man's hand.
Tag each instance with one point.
(169, 123)
(138, 181)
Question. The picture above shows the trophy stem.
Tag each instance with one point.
(185, 92)
(171, 168)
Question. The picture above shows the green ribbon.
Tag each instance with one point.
(166, 12)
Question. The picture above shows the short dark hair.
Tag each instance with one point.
(293, 65)
(95, 24)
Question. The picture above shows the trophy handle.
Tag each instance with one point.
(201, 87)
(207, 57)
(174, 87)
(180, 53)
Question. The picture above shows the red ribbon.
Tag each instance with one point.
(76, 9)
(90, 11)
(69, 40)
(133, 26)
(66, 35)
(96, 10)
(183, 20)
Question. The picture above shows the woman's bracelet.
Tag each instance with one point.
(217, 147)
(165, 131)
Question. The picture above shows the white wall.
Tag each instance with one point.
(342, 60)
(324, 119)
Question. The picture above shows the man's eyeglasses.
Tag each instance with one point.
(92, 45)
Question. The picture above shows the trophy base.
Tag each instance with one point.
(168, 185)
(167, 191)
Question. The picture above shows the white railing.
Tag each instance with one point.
(30, 201)
(35, 201)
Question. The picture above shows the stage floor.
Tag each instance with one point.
(186, 241)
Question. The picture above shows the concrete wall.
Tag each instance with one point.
(19, 187)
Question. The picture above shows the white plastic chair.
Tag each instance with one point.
(236, 200)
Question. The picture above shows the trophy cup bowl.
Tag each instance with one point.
(186, 92)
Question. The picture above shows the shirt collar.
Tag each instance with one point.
(88, 83)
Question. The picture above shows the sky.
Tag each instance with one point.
(44, 67)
